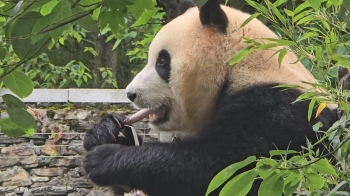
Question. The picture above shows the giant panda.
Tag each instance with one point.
(227, 112)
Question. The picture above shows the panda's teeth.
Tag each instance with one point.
(152, 117)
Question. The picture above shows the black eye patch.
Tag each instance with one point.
(163, 65)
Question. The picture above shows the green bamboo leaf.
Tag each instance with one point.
(311, 108)
(301, 15)
(278, 13)
(249, 19)
(19, 83)
(21, 118)
(226, 173)
(281, 55)
(315, 4)
(307, 35)
(279, 2)
(239, 185)
(12, 101)
(301, 7)
(240, 55)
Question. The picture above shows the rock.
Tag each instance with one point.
(59, 115)
(49, 171)
(17, 155)
(99, 193)
(78, 114)
(51, 190)
(9, 140)
(16, 177)
(67, 162)
(74, 173)
(39, 179)
(7, 189)
(44, 160)
(11, 194)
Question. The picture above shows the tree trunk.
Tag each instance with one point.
(106, 58)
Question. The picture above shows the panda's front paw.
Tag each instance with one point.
(107, 131)
(101, 164)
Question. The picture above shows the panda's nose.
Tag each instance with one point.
(131, 96)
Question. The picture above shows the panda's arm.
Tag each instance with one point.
(183, 168)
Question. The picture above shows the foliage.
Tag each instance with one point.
(29, 29)
(318, 32)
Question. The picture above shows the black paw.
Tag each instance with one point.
(110, 130)
(101, 163)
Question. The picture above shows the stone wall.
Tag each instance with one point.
(49, 162)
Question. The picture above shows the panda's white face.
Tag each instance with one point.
(170, 81)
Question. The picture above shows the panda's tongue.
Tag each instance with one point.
(153, 114)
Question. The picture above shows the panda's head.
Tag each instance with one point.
(188, 65)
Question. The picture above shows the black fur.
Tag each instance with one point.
(185, 5)
(212, 14)
(108, 131)
(249, 122)
(163, 67)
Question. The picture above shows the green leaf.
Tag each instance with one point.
(87, 22)
(2, 53)
(308, 35)
(311, 108)
(21, 118)
(315, 4)
(21, 31)
(29, 132)
(281, 55)
(292, 183)
(12, 101)
(47, 7)
(139, 6)
(144, 18)
(61, 11)
(315, 181)
(200, 3)
(239, 185)
(236, 58)
(226, 173)
(10, 129)
(249, 19)
(301, 7)
(282, 152)
(289, 12)
(272, 185)
(19, 83)
(104, 74)
(323, 166)
(278, 14)
(346, 4)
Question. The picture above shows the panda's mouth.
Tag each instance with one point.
(159, 115)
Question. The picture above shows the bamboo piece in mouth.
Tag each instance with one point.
(141, 114)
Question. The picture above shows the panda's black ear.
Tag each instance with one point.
(185, 5)
(212, 14)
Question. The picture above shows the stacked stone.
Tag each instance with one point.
(38, 166)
